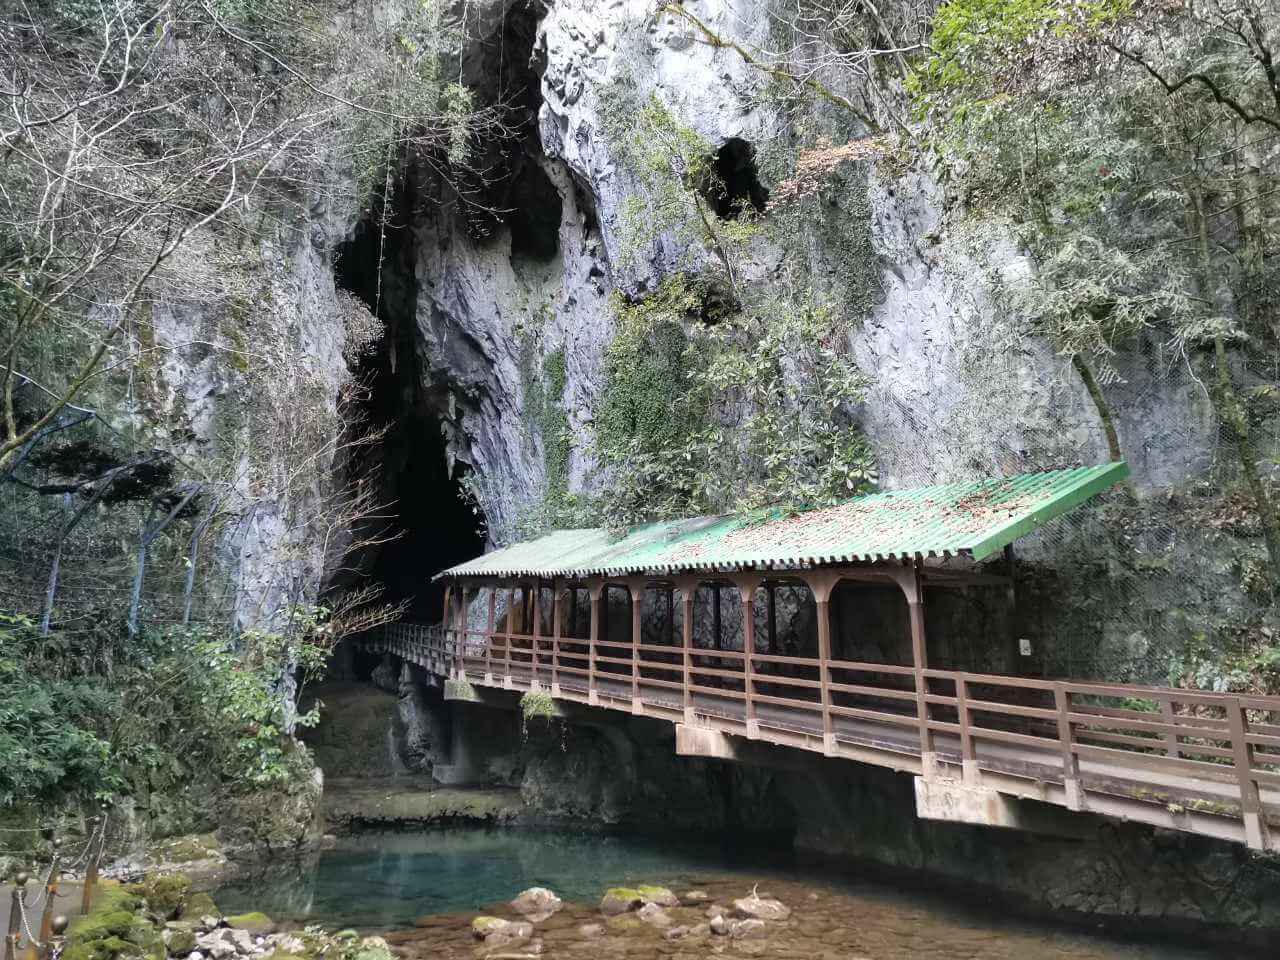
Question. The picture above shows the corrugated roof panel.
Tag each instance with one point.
(975, 518)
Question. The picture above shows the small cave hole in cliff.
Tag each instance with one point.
(426, 524)
(736, 184)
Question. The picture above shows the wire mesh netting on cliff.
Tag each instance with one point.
(1170, 586)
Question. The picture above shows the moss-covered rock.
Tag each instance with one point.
(617, 900)
(113, 929)
(258, 923)
(199, 904)
(164, 893)
(196, 846)
(179, 937)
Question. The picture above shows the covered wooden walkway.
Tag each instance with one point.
(1198, 761)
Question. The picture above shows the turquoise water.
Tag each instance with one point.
(389, 880)
(422, 889)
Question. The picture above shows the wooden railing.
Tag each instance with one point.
(1210, 753)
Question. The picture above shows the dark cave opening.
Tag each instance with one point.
(736, 184)
(507, 186)
(425, 523)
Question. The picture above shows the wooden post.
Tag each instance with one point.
(447, 615)
(1172, 747)
(968, 757)
(50, 895)
(15, 917)
(688, 587)
(822, 583)
(1255, 824)
(773, 619)
(488, 639)
(715, 614)
(536, 633)
(91, 873)
(1070, 762)
(913, 587)
(573, 611)
(636, 590)
(511, 629)
(556, 627)
(596, 591)
(463, 624)
(747, 590)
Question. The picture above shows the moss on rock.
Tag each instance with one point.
(165, 893)
(113, 929)
(255, 922)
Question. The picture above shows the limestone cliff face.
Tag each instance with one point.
(956, 390)
(950, 397)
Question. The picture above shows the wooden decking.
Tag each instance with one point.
(1197, 761)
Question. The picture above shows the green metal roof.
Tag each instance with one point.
(974, 519)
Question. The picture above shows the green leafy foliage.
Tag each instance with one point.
(92, 714)
(747, 413)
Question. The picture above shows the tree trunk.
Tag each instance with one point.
(1100, 404)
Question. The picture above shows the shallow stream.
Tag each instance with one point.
(423, 889)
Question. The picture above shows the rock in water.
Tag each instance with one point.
(761, 908)
(618, 900)
(536, 904)
(747, 929)
(653, 914)
(496, 932)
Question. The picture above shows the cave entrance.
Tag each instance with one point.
(426, 523)
(736, 185)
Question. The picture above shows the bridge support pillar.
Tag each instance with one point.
(957, 802)
(1075, 795)
(753, 729)
(929, 766)
(829, 745)
(593, 698)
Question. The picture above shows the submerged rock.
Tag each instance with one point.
(536, 904)
(761, 908)
(495, 931)
(623, 899)
(653, 914)
(591, 930)
(751, 929)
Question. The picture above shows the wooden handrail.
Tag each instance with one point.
(1236, 743)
